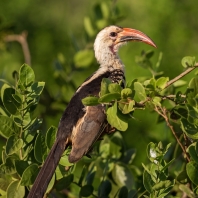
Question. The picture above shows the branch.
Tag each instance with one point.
(181, 75)
(22, 39)
(163, 113)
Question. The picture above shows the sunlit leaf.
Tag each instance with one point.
(188, 61)
(115, 120)
(26, 75)
(109, 97)
(140, 91)
(51, 184)
(161, 82)
(64, 161)
(88, 27)
(83, 58)
(15, 190)
(114, 88)
(122, 175)
(104, 86)
(90, 101)
(148, 182)
(126, 92)
(8, 127)
(29, 175)
(37, 88)
(14, 143)
(187, 190)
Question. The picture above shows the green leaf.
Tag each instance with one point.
(161, 82)
(127, 108)
(190, 129)
(104, 188)
(192, 171)
(88, 26)
(29, 175)
(37, 88)
(168, 185)
(5, 181)
(116, 146)
(51, 184)
(40, 148)
(4, 112)
(115, 119)
(14, 143)
(123, 192)
(86, 190)
(82, 175)
(90, 175)
(182, 177)
(104, 86)
(114, 88)
(64, 161)
(21, 166)
(109, 97)
(122, 175)
(188, 61)
(60, 172)
(162, 184)
(50, 137)
(8, 167)
(126, 92)
(9, 102)
(15, 190)
(192, 151)
(148, 182)
(129, 156)
(140, 91)
(64, 182)
(8, 127)
(187, 191)
(104, 150)
(90, 101)
(83, 58)
(26, 75)
(156, 101)
(18, 98)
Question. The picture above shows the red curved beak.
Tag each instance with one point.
(128, 34)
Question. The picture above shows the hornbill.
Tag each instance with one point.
(81, 125)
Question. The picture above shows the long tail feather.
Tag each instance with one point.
(41, 183)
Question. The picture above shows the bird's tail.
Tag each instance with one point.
(40, 184)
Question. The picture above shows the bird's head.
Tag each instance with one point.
(111, 38)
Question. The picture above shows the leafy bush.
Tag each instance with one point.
(110, 171)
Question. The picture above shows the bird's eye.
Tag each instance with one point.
(113, 34)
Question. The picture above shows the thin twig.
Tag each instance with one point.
(181, 75)
(163, 113)
(22, 39)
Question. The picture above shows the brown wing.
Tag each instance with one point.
(87, 131)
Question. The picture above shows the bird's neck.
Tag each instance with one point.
(109, 60)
